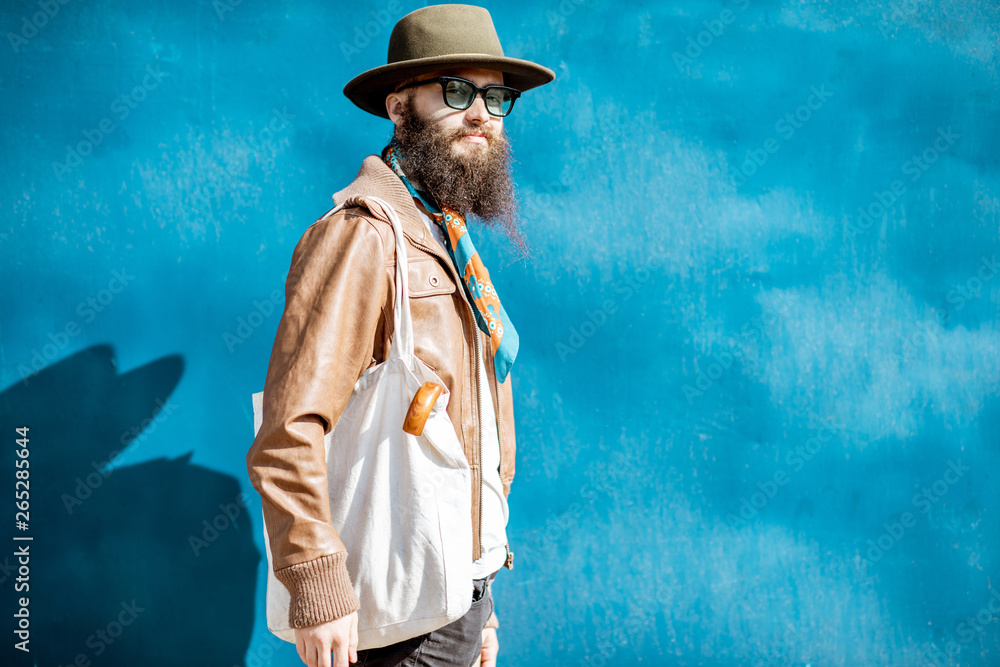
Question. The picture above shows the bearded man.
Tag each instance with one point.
(447, 88)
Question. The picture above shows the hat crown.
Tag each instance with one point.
(442, 30)
(436, 39)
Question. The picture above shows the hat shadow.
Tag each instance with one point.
(152, 563)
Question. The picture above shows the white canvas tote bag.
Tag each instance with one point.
(401, 503)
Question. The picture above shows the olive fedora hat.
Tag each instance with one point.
(441, 37)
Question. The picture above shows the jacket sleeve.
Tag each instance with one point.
(334, 295)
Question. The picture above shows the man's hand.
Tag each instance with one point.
(339, 636)
(488, 658)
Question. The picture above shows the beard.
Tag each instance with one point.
(476, 181)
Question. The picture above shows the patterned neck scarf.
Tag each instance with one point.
(490, 315)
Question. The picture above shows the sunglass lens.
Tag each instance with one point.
(498, 101)
(458, 94)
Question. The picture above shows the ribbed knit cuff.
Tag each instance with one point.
(320, 590)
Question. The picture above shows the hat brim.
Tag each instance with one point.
(368, 90)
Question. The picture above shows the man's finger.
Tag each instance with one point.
(340, 652)
(314, 653)
(322, 655)
(300, 647)
(354, 638)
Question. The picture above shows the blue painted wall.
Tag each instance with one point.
(757, 393)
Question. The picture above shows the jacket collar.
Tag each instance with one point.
(376, 178)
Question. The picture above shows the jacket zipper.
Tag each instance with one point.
(508, 561)
(437, 251)
(497, 415)
(479, 421)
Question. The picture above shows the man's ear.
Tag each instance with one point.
(394, 106)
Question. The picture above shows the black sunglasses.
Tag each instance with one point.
(461, 93)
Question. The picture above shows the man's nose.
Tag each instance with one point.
(478, 112)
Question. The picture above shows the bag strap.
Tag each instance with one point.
(402, 338)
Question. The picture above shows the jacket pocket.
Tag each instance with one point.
(436, 307)
(427, 277)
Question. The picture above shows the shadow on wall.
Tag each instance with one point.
(152, 563)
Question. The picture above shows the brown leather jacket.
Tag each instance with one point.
(337, 322)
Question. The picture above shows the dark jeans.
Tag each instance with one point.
(457, 644)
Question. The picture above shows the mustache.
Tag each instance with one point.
(491, 135)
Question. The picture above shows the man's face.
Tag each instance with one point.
(474, 128)
(461, 157)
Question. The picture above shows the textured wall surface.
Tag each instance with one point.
(758, 391)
